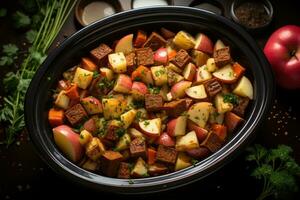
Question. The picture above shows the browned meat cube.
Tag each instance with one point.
(232, 121)
(166, 154)
(222, 56)
(181, 58)
(175, 108)
(155, 41)
(111, 132)
(99, 54)
(212, 87)
(167, 34)
(110, 162)
(199, 153)
(144, 56)
(138, 148)
(153, 102)
(213, 142)
(131, 62)
(76, 114)
(124, 170)
(241, 107)
(157, 169)
(90, 125)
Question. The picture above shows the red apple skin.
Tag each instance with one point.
(64, 132)
(139, 87)
(283, 52)
(166, 140)
(161, 56)
(171, 127)
(200, 132)
(203, 43)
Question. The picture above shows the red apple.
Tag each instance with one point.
(151, 127)
(68, 142)
(166, 140)
(138, 90)
(189, 71)
(203, 43)
(125, 44)
(200, 132)
(283, 52)
(177, 126)
(178, 90)
(161, 56)
(123, 84)
(92, 105)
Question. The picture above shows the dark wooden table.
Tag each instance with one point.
(23, 175)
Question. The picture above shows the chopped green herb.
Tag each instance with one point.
(194, 161)
(120, 132)
(21, 20)
(146, 123)
(230, 98)
(105, 83)
(96, 74)
(153, 89)
(130, 181)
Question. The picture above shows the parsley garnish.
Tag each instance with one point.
(153, 89)
(105, 84)
(146, 123)
(230, 98)
(276, 168)
(10, 54)
(120, 132)
(21, 20)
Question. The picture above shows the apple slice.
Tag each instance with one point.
(95, 149)
(196, 92)
(166, 140)
(176, 127)
(125, 44)
(178, 90)
(244, 88)
(202, 75)
(160, 75)
(62, 100)
(123, 142)
(161, 56)
(140, 169)
(68, 142)
(128, 117)
(106, 72)
(117, 62)
(138, 90)
(82, 78)
(151, 127)
(186, 142)
(219, 45)
(211, 65)
(222, 107)
(226, 74)
(123, 84)
(183, 161)
(174, 77)
(203, 43)
(189, 72)
(92, 105)
(199, 113)
(199, 57)
(200, 132)
(184, 40)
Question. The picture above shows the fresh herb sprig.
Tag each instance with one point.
(231, 98)
(16, 83)
(275, 168)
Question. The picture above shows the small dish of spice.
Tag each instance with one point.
(254, 15)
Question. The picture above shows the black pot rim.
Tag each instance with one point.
(64, 167)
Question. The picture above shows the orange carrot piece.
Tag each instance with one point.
(220, 130)
(139, 72)
(72, 92)
(88, 64)
(151, 156)
(238, 70)
(140, 38)
(56, 117)
(171, 54)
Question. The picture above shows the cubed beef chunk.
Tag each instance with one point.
(144, 56)
(124, 170)
(181, 58)
(90, 125)
(166, 154)
(166, 33)
(213, 142)
(212, 87)
(157, 169)
(175, 108)
(199, 153)
(138, 148)
(131, 62)
(153, 102)
(76, 114)
(111, 132)
(155, 41)
(222, 56)
(99, 54)
(240, 108)
(110, 162)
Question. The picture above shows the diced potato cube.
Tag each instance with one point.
(113, 107)
(83, 78)
(62, 100)
(118, 62)
(160, 75)
(183, 161)
(128, 117)
(221, 106)
(184, 40)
